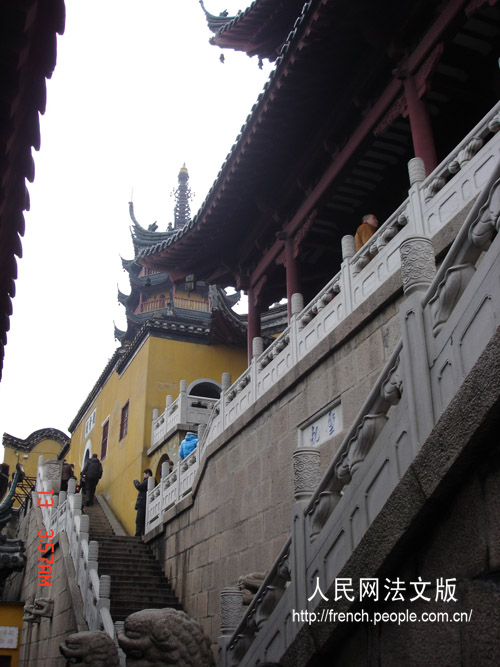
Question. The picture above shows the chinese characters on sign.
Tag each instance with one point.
(391, 590)
(8, 636)
(323, 427)
(372, 589)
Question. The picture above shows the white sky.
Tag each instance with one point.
(137, 91)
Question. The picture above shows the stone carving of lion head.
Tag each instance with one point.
(157, 637)
(90, 649)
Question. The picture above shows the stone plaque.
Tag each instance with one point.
(322, 426)
(8, 636)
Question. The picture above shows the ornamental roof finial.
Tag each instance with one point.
(182, 194)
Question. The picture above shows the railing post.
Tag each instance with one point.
(306, 476)
(253, 369)
(417, 269)
(225, 382)
(91, 565)
(348, 252)
(104, 601)
(183, 403)
(297, 306)
(156, 414)
(231, 611)
(416, 202)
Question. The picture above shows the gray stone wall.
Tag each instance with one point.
(40, 641)
(239, 515)
(440, 523)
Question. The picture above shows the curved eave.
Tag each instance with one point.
(261, 29)
(295, 104)
(215, 23)
(142, 237)
(29, 443)
(199, 247)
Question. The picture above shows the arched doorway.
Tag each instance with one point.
(205, 388)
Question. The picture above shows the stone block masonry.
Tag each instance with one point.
(238, 517)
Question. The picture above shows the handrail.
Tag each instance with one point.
(65, 515)
(385, 437)
(362, 272)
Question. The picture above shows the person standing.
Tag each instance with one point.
(140, 505)
(66, 475)
(92, 473)
(365, 231)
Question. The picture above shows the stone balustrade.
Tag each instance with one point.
(447, 320)
(184, 411)
(172, 487)
(425, 213)
(65, 514)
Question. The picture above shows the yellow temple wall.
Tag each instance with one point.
(155, 371)
(49, 449)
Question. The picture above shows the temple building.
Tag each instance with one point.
(357, 442)
(179, 341)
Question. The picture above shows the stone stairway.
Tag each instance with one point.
(137, 581)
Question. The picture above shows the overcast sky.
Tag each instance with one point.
(137, 91)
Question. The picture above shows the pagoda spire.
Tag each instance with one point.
(182, 194)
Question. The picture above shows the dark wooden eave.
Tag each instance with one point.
(259, 30)
(28, 30)
(307, 152)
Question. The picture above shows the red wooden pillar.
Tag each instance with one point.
(253, 321)
(421, 130)
(292, 273)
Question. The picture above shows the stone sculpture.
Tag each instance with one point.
(157, 637)
(40, 607)
(249, 584)
(90, 649)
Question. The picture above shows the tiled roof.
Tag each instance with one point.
(32, 440)
(260, 29)
(208, 220)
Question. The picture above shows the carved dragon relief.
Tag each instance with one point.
(481, 233)
(40, 607)
(448, 292)
(483, 230)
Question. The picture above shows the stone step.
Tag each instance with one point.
(121, 610)
(146, 580)
(131, 571)
(124, 547)
(143, 600)
(128, 559)
(137, 580)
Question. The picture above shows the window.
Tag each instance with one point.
(124, 421)
(104, 439)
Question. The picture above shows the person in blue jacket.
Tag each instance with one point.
(188, 444)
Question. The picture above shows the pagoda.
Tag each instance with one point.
(191, 310)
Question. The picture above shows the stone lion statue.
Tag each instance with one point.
(90, 649)
(158, 637)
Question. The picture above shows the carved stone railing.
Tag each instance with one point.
(363, 272)
(172, 487)
(185, 410)
(62, 512)
(447, 319)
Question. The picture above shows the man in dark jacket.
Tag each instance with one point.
(92, 472)
(140, 505)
